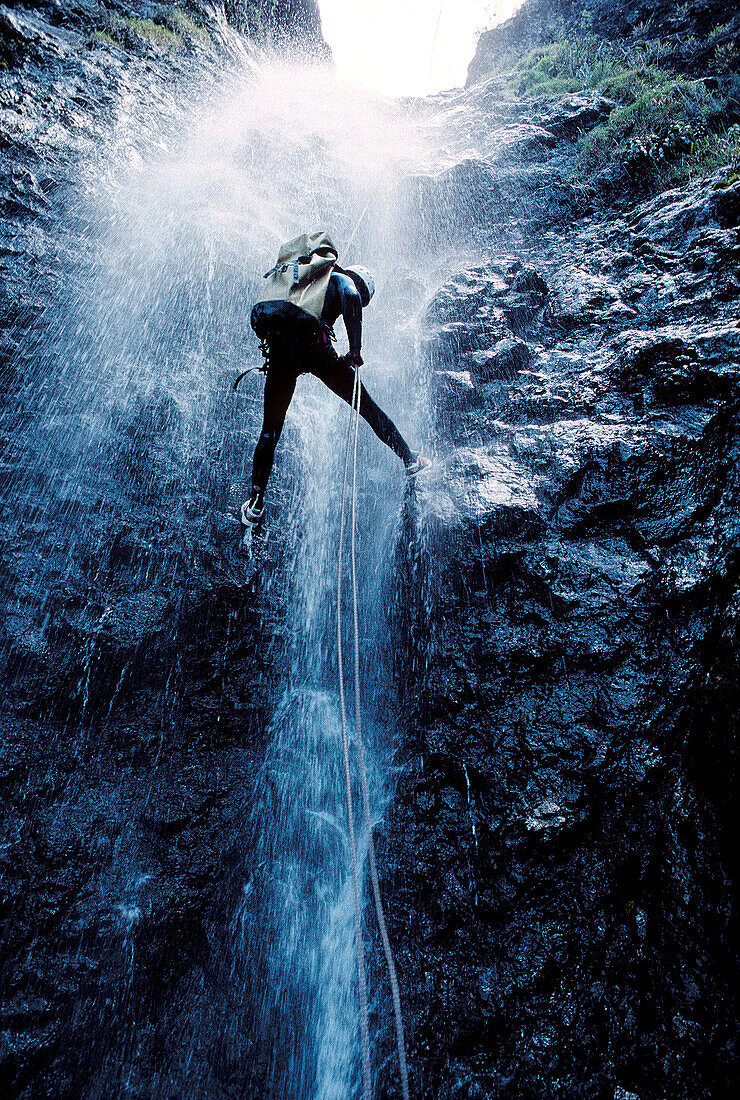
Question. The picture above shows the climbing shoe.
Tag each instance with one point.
(417, 465)
(252, 510)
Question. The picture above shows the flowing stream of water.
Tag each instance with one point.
(300, 894)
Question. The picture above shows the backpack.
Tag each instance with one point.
(290, 306)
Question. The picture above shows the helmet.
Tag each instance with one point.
(363, 280)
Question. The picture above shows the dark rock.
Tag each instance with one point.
(556, 834)
(15, 40)
(297, 21)
(520, 141)
(134, 641)
(671, 369)
(504, 361)
(679, 218)
(500, 304)
(455, 390)
(570, 115)
(477, 200)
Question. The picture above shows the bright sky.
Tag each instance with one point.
(408, 47)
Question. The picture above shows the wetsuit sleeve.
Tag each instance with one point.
(351, 305)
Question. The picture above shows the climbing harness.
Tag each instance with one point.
(353, 431)
(322, 338)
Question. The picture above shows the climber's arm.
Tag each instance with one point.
(351, 308)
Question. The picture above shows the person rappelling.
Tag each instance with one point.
(305, 295)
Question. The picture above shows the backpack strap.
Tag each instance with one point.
(297, 263)
(274, 270)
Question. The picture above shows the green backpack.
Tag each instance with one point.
(290, 306)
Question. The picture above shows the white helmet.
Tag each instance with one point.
(363, 280)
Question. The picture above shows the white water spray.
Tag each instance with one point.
(135, 405)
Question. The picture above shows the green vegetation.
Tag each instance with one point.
(569, 66)
(722, 185)
(129, 32)
(246, 17)
(660, 130)
(727, 57)
(728, 152)
(719, 32)
(665, 128)
(100, 38)
(154, 33)
(170, 29)
(587, 61)
(183, 24)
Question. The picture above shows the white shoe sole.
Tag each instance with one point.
(250, 516)
(414, 471)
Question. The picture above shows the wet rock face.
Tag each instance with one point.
(538, 21)
(137, 658)
(559, 868)
(298, 20)
(518, 182)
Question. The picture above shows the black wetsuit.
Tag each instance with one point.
(288, 359)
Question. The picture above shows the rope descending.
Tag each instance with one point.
(362, 977)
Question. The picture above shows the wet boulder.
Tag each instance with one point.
(570, 115)
(519, 142)
(478, 200)
(457, 342)
(462, 297)
(479, 493)
(582, 298)
(524, 300)
(715, 251)
(479, 319)
(454, 390)
(670, 367)
(504, 361)
(20, 194)
(675, 219)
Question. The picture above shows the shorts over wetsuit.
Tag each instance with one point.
(289, 358)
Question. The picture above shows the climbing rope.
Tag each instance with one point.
(356, 229)
(354, 420)
(361, 976)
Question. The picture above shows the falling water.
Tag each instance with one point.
(134, 413)
(300, 894)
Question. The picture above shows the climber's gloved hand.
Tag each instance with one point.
(354, 359)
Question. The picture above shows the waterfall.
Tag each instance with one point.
(134, 436)
(299, 894)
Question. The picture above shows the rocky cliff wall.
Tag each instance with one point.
(297, 21)
(113, 758)
(690, 32)
(559, 855)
